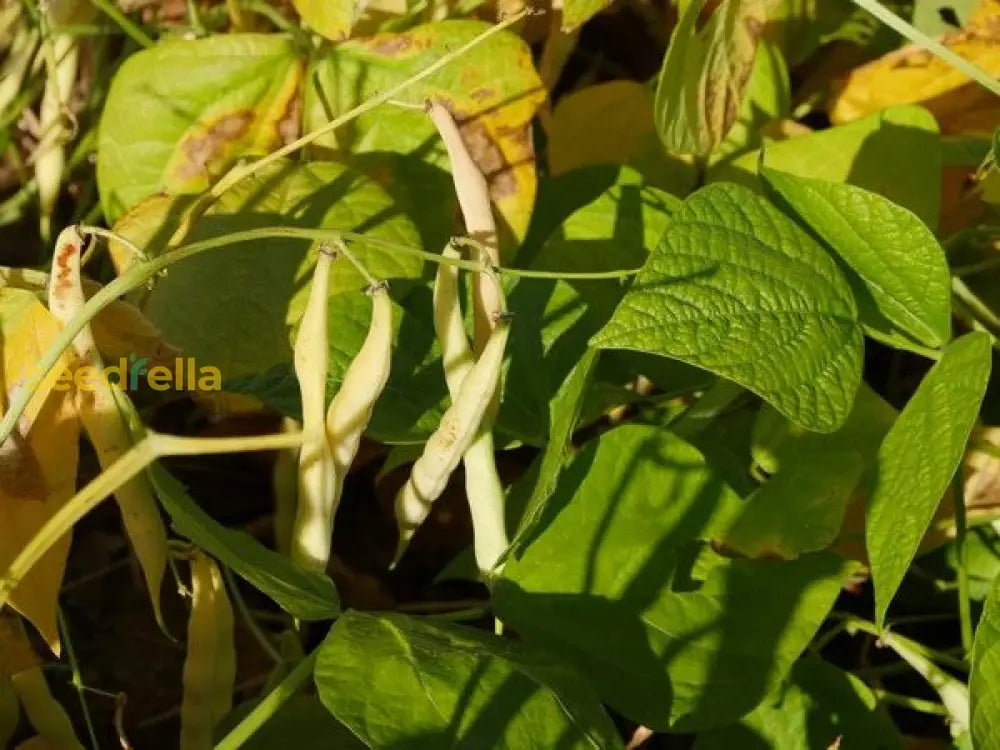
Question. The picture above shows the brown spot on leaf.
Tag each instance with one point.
(489, 158)
(483, 93)
(394, 45)
(63, 273)
(204, 147)
(290, 124)
(21, 474)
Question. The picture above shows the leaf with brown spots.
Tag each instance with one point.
(705, 73)
(179, 114)
(38, 462)
(493, 94)
(912, 75)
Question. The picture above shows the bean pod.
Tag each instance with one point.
(102, 420)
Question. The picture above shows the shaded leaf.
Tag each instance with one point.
(304, 594)
(736, 288)
(901, 265)
(180, 113)
(819, 707)
(611, 582)
(304, 718)
(578, 12)
(918, 458)
(799, 510)
(399, 681)
(232, 308)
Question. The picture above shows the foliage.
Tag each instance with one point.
(710, 333)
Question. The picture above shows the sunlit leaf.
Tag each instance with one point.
(918, 458)
(331, 18)
(493, 93)
(179, 114)
(738, 289)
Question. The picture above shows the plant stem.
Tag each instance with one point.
(133, 32)
(248, 618)
(933, 46)
(914, 704)
(77, 678)
(144, 452)
(269, 705)
(962, 555)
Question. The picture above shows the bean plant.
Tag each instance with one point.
(704, 351)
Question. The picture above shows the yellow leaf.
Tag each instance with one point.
(38, 462)
(912, 75)
(602, 124)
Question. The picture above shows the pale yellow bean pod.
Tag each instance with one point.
(103, 423)
(459, 428)
(363, 383)
(483, 487)
(312, 530)
(210, 664)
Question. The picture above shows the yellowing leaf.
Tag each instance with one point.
(38, 462)
(705, 73)
(602, 124)
(912, 75)
(493, 94)
(578, 12)
(331, 18)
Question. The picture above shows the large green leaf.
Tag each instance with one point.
(180, 113)
(607, 581)
(918, 459)
(896, 153)
(819, 707)
(232, 307)
(398, 682)
(899, 262)
(493, 91)
(984, 682)
(705, 74)
(737, 288)
(304, 594)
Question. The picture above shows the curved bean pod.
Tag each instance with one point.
(483, 488)
(459, 428)
(363, 383)
(103, 422)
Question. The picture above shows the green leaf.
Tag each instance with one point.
(705, 74)
(302, 717)
(494, 92)
(564, 413)
(799, 510)
(304, 594)
(779, 444)
(180, 113)
(918, 459)
(330, 18)
(984, 681)
(607, 582)
(897, 259)
(398, 681)
(233, 307)
(736, 288)
(896, 153)
(818, 707)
